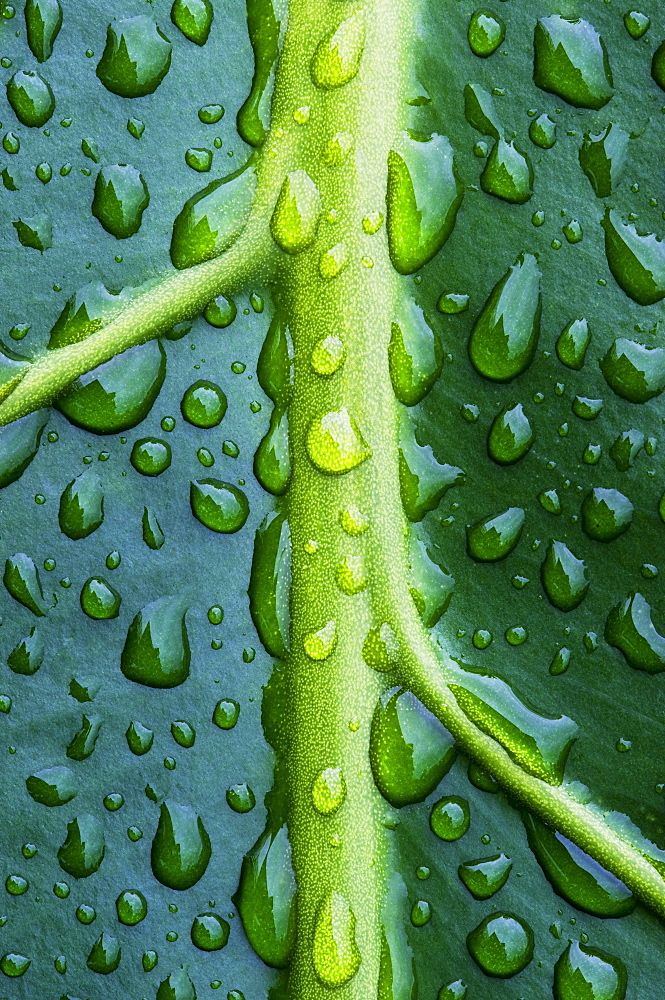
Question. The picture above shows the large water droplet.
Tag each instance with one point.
(194, 18)
(213, 218)
(105, 954)
(43, 20)
(335, 444)
(485, 33)
(139, 738)
(480, 111)
(571, 61)
(19, 442)
(583, 971)
(156, 651)
(450, 818)
(265, 897)
(31, 98)
(636, 260)
(136, 57)
(606, 514)
(82, 852)
(131, 907)
(423, 481)
(181, 847)
(53, 786)
(83, 743)
(335, 953)
(508, 173)
(21, 578)
(495, 537)
(121, 196)
(505, 335)
(429, 584)
(272, 461)
(564, 577)
(27, 655)
(502, 945)
(510, 435)
(576, 876)
(635, 372)
(177, 986)
(218, 505)
(415, 354)
(484, 878)
(603, 156)
(270, 584)
(337, 58)
(81, 506)
(410, 751)
(423, 196)
(630, 629)
(572, 344)
(264, 31)
(296, 215)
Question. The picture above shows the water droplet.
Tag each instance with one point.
(637, 24)
(337, 149)
(355, 523)
(151, 456)
(560, 662)
(136, 57)
(424, 194)
(21, 578)
(603, 156)
(431, 587)
(421, 913)
(203, 404)
(183, 733)
(505, 334)
(484, 878)
(27, 655)
(450, 818)
(573, 231)
(156, 651)
(502, 945)
(240, 798)
(11, 144)
(272, 460)
(333, 261)
(213, 218)
(121, 196)
(510, 435)
(218, 505)
(415, 354)
(626, 448)
(43, 20)
(629, 627)
(296, 215)
(53, 786)
(337, 58)
(486, 32)
(335, 444)
(81, 506)
(13, 964)
(335, 953)
(83, 743)
(452, 303)
(372, 222)
(410, 751)
(209, 932)
(564, 577)
(453, 991)
(480, 111)
(210, 114)
(226, 713)
(105, 954)
(351, 575)
(571, 61)
(320, 645)
(131, 907)
(381, 648)
(542, 132)
(494, 538)
(633, 371)
(587, 971)
(508, 173)
(194, 18)
(139, 738)
(99, 600)
(606, 514)
(153, 536)
(423, 480)
(177, 986)
(636, 260)
(19, 442)
(270, 584)
(265, 897)
(328, 355)
(180, 848)
(35, 232)
(82, 852)
(329, 791)
(31, 98)
(199, 159)
(16, 885)
(135, 127)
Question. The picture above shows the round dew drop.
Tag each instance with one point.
(450, 818)
(328, 355)
(320, 645)
(329, 791)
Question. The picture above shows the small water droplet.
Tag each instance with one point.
(502, 945)
(320, 645)
(194, 18)
(43, 20)
(484, 877)
(450, 818)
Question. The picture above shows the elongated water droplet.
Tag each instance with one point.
(177, 986)
(321, 644)
(626, 448)
(19, 442)
(560, 661)
(495, 537)
(636, 260)
(480, 111)
(589, 972)
(82, 852)
(121, 196)
(296, 215)
(508, 173)
(337, 58)
(542, 132)
(423, 196)
(218, 505)
(83, 743)
(181, 847)
(53, 786)
(272, 461)
(21, 578)
(510, 435)
(264, 31)
(629, 627)
(329, 791)
(397, 965)
(571, 61)
(43, 20)
(635, 372)
(538, 743)
(194, 18)
(606, 514)
(572, 344)
(213, 218)
(153, 536)
(564, 577)
(335, 444)
(335, 953)
(136, 57)
(484, 878)
(485, 33)
(410, 751)
(574, 875)
(504, 337)
(266, 897)
(429, 584)
(415, 354)
(105, 954)
(139, 738)
(270, 584)
(81, 506)
(502, 945)
(156, 651)
(27, 655)
(603, 156)
(31, 98)
(423, 480)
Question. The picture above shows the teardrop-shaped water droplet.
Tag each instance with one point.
(266, 897)
(415, 354)
(121, 196)
(495, 537)
(329, 791)
(571, 61)
(335, 953)
(328, 355)
(456, 990)
(218, 505)
(603, 156)
(381, 648)
(629, 627)
(636, 260)
(264, 34)
(53, 786)
(213, 218)
(153, 536)
(508, 173)
(203, 404)
(635, 372)
(296, 215)
(576, 876)
(589, 972)
(21, 578)
(131, 907)
(156, 651)
(480, 111)
(423, 196)
(538, 743)
(606, 514)
(27, 655)
(31, 98)
(510, 435)
(637, 24)
(83, 743)
(139, 738)
(485, 33)
(410, 751)
(430, 586)
(272, 461)
(43, 20)
(542, 132)
(181, 847)
(484, 878)
(81, 506)
(136, 57)
(423, 480)
(351, 575)
(564, 577)
(270, 584)
(337, 58)
(82, 852)
(99, 600)
(177, 986)
(19, 442)
(560, 661)
(504, 337)
(194, 18)
(105, 954)
(335, 444)
(502, 945)
(572, 344)
(274, 366)
(319, 645)
(35, 231)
